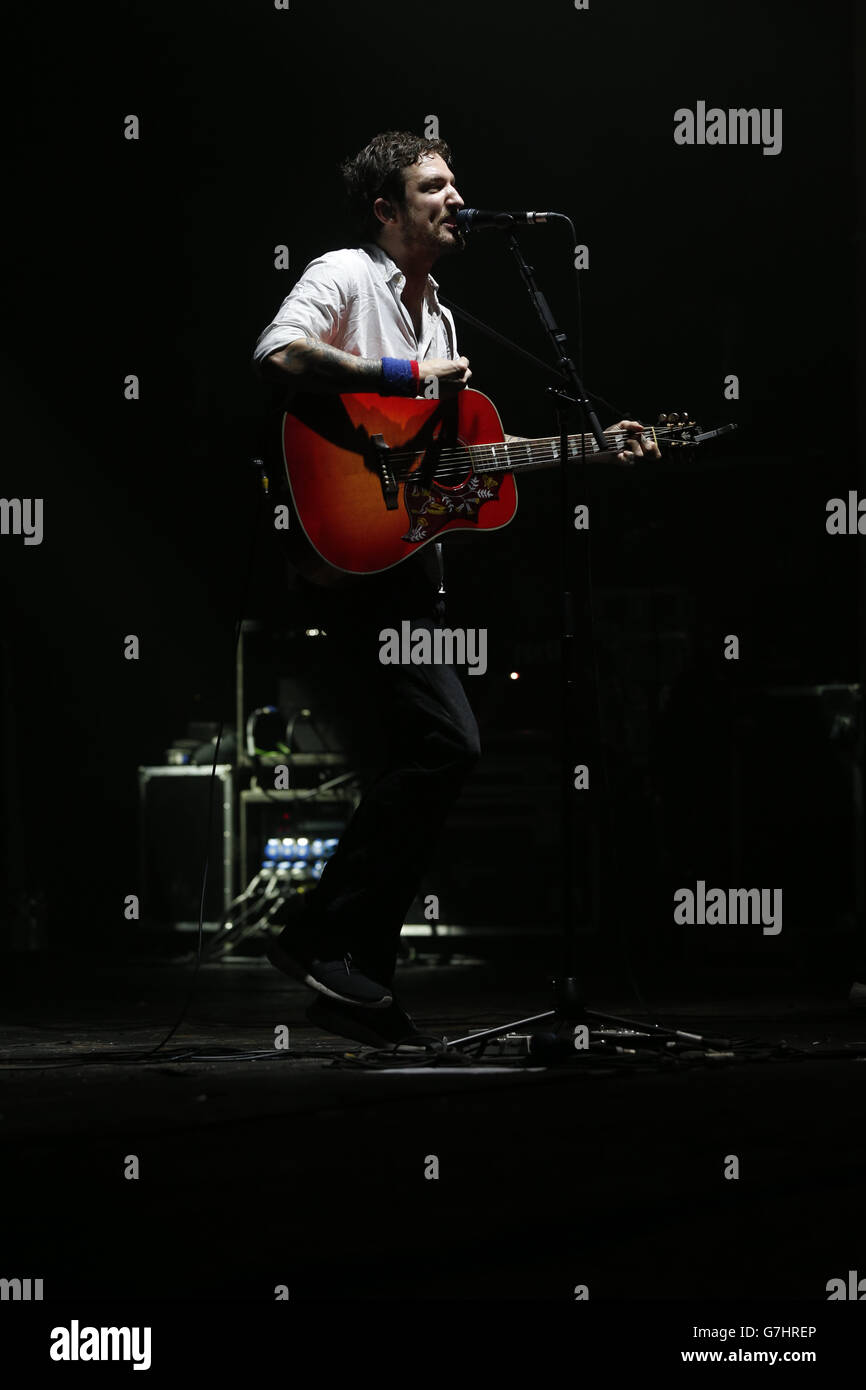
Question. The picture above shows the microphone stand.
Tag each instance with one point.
(568, 995)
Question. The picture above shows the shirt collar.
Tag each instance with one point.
(390, 270)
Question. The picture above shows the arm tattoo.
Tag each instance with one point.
(319, 367)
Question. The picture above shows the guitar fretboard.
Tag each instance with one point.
(535, 453)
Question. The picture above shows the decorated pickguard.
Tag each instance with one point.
(431, 509)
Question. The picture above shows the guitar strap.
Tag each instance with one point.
(440, 564)
(437, 545)
(452, 342)
(446, 416)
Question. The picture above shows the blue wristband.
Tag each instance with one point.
(399, 376)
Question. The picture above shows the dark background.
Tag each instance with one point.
(155, 257)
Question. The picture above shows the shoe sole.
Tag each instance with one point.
(296, 969)
(331, 1022)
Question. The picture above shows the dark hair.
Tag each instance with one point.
(377, 172)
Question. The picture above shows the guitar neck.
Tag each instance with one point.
(527, 454)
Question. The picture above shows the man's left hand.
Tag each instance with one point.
(640, 445)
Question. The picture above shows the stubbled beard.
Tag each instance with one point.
(420, 239)
(457, 243)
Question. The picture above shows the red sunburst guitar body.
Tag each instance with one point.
(343, 454)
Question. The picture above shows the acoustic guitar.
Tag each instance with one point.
(374, 478)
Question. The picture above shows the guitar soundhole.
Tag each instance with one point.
(446, 475)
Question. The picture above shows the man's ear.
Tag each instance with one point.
(384, 210)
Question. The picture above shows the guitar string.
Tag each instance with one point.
(467, 457)
(460, 470)
(459, 461)
(545, 445)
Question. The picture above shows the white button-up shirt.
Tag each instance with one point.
(351, 300)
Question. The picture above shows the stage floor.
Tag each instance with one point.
(312, 1167)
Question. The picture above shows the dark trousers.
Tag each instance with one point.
(420, 740)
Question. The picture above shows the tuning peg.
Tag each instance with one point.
(662, 420)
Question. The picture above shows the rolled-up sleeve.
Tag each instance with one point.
(315, 308)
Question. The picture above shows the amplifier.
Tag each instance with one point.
(174, 812)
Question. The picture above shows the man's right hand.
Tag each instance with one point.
(452, 374)
(306, 364)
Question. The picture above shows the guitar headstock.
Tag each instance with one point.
(682, 432)
(679, 431)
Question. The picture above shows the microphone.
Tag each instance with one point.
(475, 219)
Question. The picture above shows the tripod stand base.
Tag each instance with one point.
(568, 1001)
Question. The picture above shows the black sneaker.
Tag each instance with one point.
(383, 1029)
(336, 979)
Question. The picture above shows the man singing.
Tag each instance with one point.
(368, 319)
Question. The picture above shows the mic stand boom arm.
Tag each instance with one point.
(559, 342)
